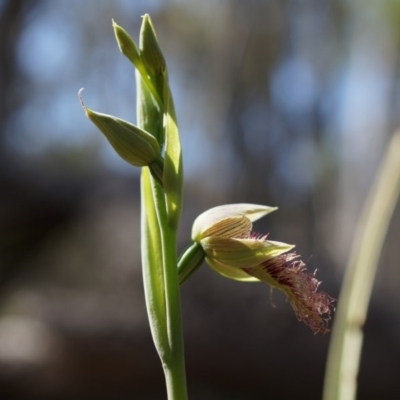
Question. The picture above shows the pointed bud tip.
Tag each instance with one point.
(150, 50)
(80, 96)
(82, 103)
(127, 45)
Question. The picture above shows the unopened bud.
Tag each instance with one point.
(127, 46)
(150, 50)
(134, 145)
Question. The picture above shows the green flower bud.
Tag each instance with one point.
(134, 145)
(150, 50)
(127, 46)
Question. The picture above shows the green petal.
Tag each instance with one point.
(212, 216)
(230, 272)
(242, 253)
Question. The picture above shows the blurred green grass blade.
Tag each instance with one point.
(347, 336)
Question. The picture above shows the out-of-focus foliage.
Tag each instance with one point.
(286, 103)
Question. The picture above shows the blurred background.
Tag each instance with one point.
(285, 103)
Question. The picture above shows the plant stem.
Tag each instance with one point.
(189, 261)
(174, 365)
(175, 380)
(164, 197)
(347, 336)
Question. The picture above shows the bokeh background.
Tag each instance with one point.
(286, 103)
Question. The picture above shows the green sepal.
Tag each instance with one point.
(210, 222)
(230, 272)
(242, 253)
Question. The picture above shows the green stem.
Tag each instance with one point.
(165, 316)
(175, 380)
(189, 261)
(174, 365)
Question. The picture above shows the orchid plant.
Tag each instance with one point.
(222, 235)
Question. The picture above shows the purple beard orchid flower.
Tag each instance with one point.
(234, 251)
